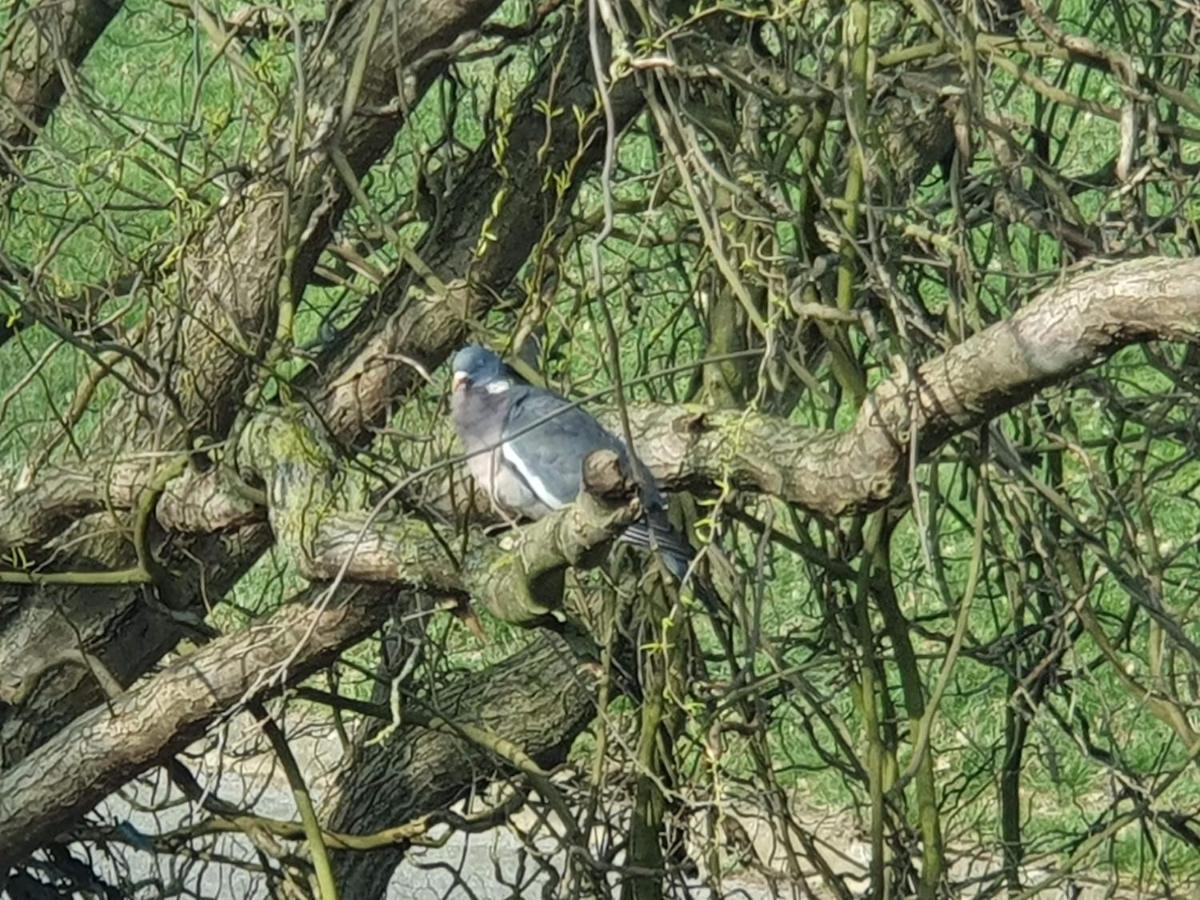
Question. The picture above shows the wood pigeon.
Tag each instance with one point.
(527, 450)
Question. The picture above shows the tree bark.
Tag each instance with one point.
(105, 747)
(404, 323)
(110, 744)
(255, 257)
(1066, 330)
(538, 700)
(49, 35)
(230, 293)
(370, 379)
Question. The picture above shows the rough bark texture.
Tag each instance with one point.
(538, 699)
(240, 269)
(107, 746)
(128, 629)
(410, 324)
(422, 328)
(1064, 331)
(229, 294)
(43, 38)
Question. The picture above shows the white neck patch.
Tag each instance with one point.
(498, 387)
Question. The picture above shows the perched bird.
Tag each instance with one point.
(527, 450)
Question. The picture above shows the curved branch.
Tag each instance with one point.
(251, 257)
(552, 141)
(1066, 330)
(320, 521)
(108, 745)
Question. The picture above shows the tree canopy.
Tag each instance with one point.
(897, 300)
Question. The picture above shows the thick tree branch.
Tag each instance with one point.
(321, 521)
(555, 136)
(1066, 330)
(43, 38)
(247, 268)
(538, 699)
(252, 259)
(107, 746)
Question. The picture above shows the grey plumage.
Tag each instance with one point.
(538, 443)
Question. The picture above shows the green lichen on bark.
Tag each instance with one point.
(280, 448)
(324, 526)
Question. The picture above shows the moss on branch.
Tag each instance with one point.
(321, 522)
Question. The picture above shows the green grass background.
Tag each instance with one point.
(110, 176)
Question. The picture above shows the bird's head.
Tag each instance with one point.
(476, 365)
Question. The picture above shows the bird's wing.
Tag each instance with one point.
(546, 441)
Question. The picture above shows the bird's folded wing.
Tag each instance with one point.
(547, 440)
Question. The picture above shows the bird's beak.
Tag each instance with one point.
(460, 379)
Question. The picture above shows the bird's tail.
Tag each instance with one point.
(655, 532)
